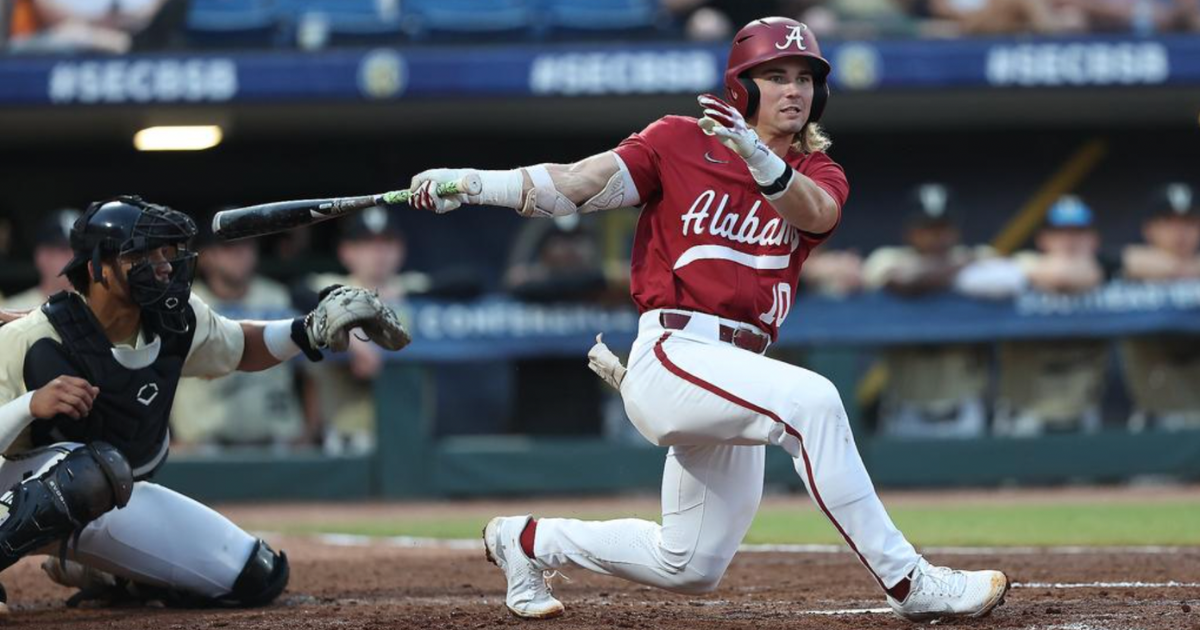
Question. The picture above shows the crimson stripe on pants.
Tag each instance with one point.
(812, 481)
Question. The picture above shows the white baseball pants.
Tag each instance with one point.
(716, 406)
(160, 537)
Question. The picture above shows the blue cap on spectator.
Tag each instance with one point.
(1069, 212)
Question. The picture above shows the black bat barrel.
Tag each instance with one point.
(269, 218)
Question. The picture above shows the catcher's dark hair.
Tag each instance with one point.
(80, 279)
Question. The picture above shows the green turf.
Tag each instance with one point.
(1036, 525)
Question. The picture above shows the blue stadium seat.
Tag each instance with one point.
(231, 23)
(471, 20)
(602, 18)
(363, 22)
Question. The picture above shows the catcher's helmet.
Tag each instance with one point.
(773, 38)
(126, 227)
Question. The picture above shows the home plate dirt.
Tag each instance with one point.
(351, 585)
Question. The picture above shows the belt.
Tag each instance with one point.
(739, 337)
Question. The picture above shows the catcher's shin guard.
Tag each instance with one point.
(261, 581)
(88, 482)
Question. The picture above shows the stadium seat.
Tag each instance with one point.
(569, 19)
(471, 20)
(347, 22)
(231, 23)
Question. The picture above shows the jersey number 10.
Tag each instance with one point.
(780, 306)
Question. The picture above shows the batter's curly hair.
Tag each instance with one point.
(812, 139)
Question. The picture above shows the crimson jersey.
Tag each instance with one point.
(707, 240)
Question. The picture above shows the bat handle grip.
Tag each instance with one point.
(468, 184)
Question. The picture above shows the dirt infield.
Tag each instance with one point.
(382, 586)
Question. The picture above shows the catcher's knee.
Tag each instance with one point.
(82, 486)
(263, 578)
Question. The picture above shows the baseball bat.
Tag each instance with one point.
(269, 218)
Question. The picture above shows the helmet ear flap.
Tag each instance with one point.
(820, 96)
(752, 95)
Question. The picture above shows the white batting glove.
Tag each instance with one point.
(726, 123)
(424, 187)
(604, 363)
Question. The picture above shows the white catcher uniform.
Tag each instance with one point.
(160, 538)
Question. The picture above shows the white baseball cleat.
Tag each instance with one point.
(942, 592)
(528, 590)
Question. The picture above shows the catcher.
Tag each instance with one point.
(86, 388)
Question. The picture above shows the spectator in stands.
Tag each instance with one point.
(243, 408)
(1143, 17)
(856, 18)
(832, 272)
(372, 249)
(933, 390)
(557, 260)
(716, 20)
(51, 252)
(80, 26)
(995, 17)
(1056, 385)
(1172, 233)
(1162, 371)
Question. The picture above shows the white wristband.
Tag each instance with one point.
(277, 335)
(765, 166)
(14, 417)
(500, 188)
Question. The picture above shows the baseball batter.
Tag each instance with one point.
(732, 204)
(86, 387)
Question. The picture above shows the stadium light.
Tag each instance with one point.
(177, 138)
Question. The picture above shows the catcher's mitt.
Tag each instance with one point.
(344, 308)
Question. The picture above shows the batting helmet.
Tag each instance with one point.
(128, 226)
(772, 38)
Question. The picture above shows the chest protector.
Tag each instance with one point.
(134, 405)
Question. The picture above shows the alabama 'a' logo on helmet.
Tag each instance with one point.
(795, 35)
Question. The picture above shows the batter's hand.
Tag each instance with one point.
(604, 363)
(424, 187)
(727, 124)
(66, 395)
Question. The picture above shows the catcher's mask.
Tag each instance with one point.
(151, 238)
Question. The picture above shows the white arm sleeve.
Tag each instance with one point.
(14, 417)
(277, 335)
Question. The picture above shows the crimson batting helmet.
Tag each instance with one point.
(773, 38)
